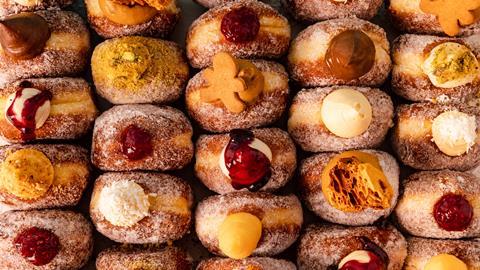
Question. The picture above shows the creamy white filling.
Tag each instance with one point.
(41, 114)
(360, 256)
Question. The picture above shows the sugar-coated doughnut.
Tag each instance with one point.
(142, 137)
(321, 55)
(359, 207)
(324, 247)
(127, 258)
(309, 130)
(49, 239)
(220, 30)
(69, 114)
(141, 208)
(431, 136)
(42, 176)
(257, 263)
(208, 158)
(8, 7)
(440, 204)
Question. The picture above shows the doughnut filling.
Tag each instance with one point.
(239, 235)
(445, 262)
(451, 64)
(133, 12)
(354, 181)
(454, 132)
(27, 174)
(346, 113)
(124, 203)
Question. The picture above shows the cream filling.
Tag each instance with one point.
(42, 113)
(454, 132)
(360, 256)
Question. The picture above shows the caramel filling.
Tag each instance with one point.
(354, 181)
(126, 15)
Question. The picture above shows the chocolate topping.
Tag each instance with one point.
(23, 36)
(350, 55)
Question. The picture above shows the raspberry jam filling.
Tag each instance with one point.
(371, 257)
(136, 142)
(453, 212)
(248, 167)
(25, 120)
(374, 263)
(240, 25)
(38, 246)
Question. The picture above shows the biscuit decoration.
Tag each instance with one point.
(234, 82)
(24, 35)
(27, 174)
(451, 14)
(354, 181)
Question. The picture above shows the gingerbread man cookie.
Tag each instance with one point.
(233, 82)
(451, 14)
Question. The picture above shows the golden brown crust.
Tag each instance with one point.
(413, 143)
(408, 17)
(67, 194)
(311, 171)
(59, 58)
(252, 263)
(324, 246)
(64, 123)
(306, 62)
(267, 108)
(210, 147)
(320, 10)
(126, 258)
(422, 190)
(204, 38)
(72, 229)
(306, 127)
(8, 7)
(171, 138)
(281, 217)
(161, 225)
(408, 79)
(160, 26)
(421, 250)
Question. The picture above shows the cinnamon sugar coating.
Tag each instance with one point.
(8, 7)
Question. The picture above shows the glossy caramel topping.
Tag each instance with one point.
(351, 54)
(126, 15)
(23, 36)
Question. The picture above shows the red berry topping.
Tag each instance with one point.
(136, 142)
(38, 246)
(248, 167)
(25, 121)
(453, 212)
(240, 25)
(375, 263)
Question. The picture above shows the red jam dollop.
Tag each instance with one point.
(38, 246)
(25, 121)
(375, 263)
(248, 167)
(136, 142)
(240, 25)
(453, 212)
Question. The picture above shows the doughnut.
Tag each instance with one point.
(347, 51)
(126, 258)
(319, 121)
(270, 150)
(407, 16)
(351, 188)
(8, 7)
(240, 224)
(142, 137)
(141, 208)
(139, 70)
(321, 10)
(440, 204)
(44, 239)
(61, 108)
(117, 18)
(430, 254)
(325, 247)
(225, 110)
(244, 28)
(41, 176)
(256, 263)
(421, 71)
(434, 136)
(58, 45)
